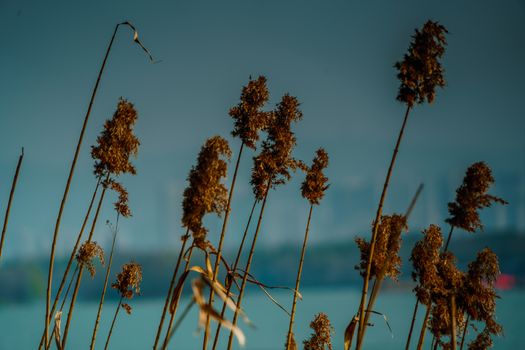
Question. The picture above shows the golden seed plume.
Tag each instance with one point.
(128, 282)
(314, 185)
(472, 196)
(275, 159)
(205, 192)
(321, 338)
(248, 117)
(87, 252)
(420, 70)
(386, 261)
(121, 205)
(117, 142)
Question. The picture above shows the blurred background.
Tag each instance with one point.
(337, 58)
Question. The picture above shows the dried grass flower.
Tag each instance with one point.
(472, 196)
(321, 338)
(87, 252)
(386, 261)
(420, 70)
(205, 192)
(314, 185)
(121, 205)
(275, 160)
(128, 282)
(117, 143)
(248, 117)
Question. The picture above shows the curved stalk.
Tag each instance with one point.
(219, 248)
(249, 262)
(113, 323)
(298, 281)
(364, 292)
(170, 289)
(11, 194)
(233, 269)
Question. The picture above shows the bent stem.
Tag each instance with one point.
(170, 289)
(364, 292)
(11, 194)
(232, 275)
(249, 262)
(219, 248)
(104, 289)
(113, 323)
(298, 281)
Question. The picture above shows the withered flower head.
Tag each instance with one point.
(128, 282)
(314, 185)
(321, 339)
(478, 295)
(87, 252)
(275, 160)
(440, 321)
(121, 205)
(386, 261)
(420, 71)
(117, 142)
(472, 196)
(249, 119)
(483, 341)
(205, 192)
(425, 257)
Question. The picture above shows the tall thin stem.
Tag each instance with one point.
(176, 303)
(412, 324)
(449, 236)
(104, 289)
(11, 194)
(423, 329)
(249, 262)
(453, 330)
(170, 289)
(233, 271)
(68, 184)
(298, 280)
(219, 248)
(374, 234)
(79, 278)
(113, 323)
(464, 333)
(70, 262)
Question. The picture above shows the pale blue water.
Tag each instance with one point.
(20, 325)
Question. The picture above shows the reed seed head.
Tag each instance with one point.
(321, 338)
(128, 282)
(248, 117)
(420, 70)
(205, 192)
(275, 160)
(121, 205)
(87, 252)
(314, 185)
(386, 261)
(472, 196)
(117, 143)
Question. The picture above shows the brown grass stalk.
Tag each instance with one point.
(11, 195)
(170, 289)
(298, 281)
(249, 262)
(423, 329)
(113, 323)
(233, 271)
(412, 324)
(453, 330)
(449, 237)
(221, 241)
(464, 332)
(69, 263)
(104, 289)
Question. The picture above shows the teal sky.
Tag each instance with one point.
(336, 56)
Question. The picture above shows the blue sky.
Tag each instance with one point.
(336, 56)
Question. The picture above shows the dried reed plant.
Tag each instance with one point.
(313, 189)
(271, 168)
(10, 201)
(249, 120)
(321, 338)
(128, 285)
(74, 162)
(419, 72)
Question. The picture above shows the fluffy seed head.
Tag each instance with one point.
(420, 70)
(314, 185)
(87, 252)
(121, 205)
(128, 282)
(321, 338)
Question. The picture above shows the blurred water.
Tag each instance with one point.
(21, 324)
